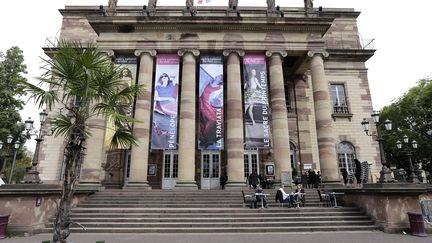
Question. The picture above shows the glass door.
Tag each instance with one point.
(170, 169)
(210, 166)
(251, 162)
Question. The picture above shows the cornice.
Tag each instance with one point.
(112, 24)
(350, 54)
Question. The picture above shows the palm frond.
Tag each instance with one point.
(122, 138)
(62, 125)
(42, 97)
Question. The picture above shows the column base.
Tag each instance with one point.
(236, 185)
(142, 185)
(90, 185)
(186, 185)
(332, 184)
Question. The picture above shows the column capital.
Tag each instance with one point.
(150, 52)
(108, 52)
(239, 52)
(194, 52)
(281, 53)
(323, 53)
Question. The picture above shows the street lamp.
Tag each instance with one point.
(32, 175)
(9, 140)
(412, 177)
(16, 145)
(385, 173)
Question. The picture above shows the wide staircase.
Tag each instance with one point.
(221, 211)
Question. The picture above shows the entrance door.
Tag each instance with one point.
(170, 169)
(251, 162)
(210, 164)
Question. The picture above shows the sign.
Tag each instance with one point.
(152, 168)
(256, 106)
(307, 166)
(38, 201)
(211, 100)
(165, 105)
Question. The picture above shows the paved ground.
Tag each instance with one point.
(331, 237)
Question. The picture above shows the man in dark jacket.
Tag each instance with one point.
(253, 180)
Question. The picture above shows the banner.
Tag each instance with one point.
(128, 64)
(165, 105)
(211, 120)
(256, 106)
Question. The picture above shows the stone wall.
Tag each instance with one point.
(388, 205)
(19, 201)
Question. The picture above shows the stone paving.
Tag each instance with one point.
(316, 237)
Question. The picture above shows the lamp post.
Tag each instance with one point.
(9, 140)
(412, 177)
(32, 175)
(16, 145)
(385, 173)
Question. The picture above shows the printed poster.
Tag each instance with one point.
(211, 110)
(256, 106)
(165, 105)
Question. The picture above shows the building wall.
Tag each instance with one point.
(343, 34)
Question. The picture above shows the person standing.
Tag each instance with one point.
(253, 180)
(223, 181)
(344, 175)
(358, 171)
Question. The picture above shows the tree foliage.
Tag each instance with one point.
(411, 115)
(86, 84)
(12, 68)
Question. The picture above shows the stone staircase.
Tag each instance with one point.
(157, 211)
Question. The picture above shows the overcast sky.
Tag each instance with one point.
(401, 30)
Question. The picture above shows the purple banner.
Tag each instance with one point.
(165, 105)
(256, 106)
(211, 125)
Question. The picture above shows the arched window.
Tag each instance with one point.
(346, 156)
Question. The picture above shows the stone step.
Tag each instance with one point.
(216, 210)
(261, 229)
(194, 218)
(224, 224)
(252, 214)
(177, 205)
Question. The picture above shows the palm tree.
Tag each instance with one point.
(86, 84)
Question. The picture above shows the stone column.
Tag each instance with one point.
(95, 153)
(187, 126)
(324, 123)
(234, 120)
(281, 145)
(141, 129)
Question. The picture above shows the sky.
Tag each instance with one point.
(400, 30)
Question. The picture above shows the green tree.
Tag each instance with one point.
(12, 68)
(411, 115)
(84, 81)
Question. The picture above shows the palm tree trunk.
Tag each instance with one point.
(73, 152)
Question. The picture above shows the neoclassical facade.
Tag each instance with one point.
(226, 91)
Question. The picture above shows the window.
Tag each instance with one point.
(346, 156)
(340, 105)
(290, 97)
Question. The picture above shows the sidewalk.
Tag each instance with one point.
(327, 237)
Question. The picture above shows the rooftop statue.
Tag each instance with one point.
(232, 4)
(271, 6)
(308, 5)
(112, 5)
(190, 7)
(151, 8)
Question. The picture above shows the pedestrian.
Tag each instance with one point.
(304, 179)
(253, 180)
(319, 178)
(344, 175)
(223, 181)
(309, 180)
(314, 183)
(358, 171)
